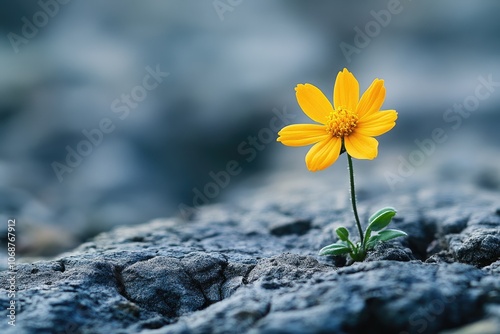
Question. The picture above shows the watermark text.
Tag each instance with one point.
(12, 272)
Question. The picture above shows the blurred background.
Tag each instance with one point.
(94, 133)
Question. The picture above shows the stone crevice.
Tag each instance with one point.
(236, 279)
(120, 284)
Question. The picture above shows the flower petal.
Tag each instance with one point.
(377, 123)
(361, 147)
(313, 102)
(346, 90)
(372, 99)
(323, 154)
(302, 134)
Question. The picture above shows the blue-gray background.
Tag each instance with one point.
(230, 64)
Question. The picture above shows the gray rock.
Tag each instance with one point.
(479, 247)
(254, 268)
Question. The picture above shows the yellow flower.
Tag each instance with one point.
(351, 123)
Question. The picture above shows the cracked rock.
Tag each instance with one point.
(249, 268)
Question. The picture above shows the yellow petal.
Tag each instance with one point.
(346, 90)
(302, 134)
(313, 102)
(377, 123)
(323, 154)
(372, 99)
(361, 147)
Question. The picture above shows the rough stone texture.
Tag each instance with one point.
(253, 268)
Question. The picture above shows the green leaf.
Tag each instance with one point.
(372, 241)
(343, 233)
(381, 219)
(368, 234)
(334, 249)
(390, 234)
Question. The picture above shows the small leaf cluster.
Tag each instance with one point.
(375, 232)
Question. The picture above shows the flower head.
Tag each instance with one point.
(349, 124)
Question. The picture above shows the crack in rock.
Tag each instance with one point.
(249, 270)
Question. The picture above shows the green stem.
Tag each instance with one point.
(350, 243)
(353, 197)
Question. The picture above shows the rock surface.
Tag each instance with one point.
(254, 268)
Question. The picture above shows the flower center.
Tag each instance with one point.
(341, 122)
